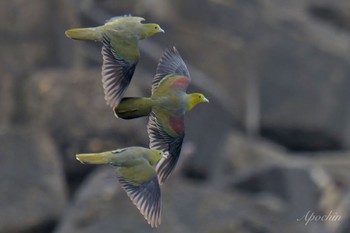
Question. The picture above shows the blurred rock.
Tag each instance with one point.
(288, 49)
(243, 153)
(259, 166)
(100, 204)
(70, 105)
(7, 103)
(262, 50)
(32, 188)
(292, 55)
(25, 33)
(342, 223)
(33, 32)
(302, 187)
(207, 127)
(284, 64)
(336, 164)
(32, 37)
(280, 180)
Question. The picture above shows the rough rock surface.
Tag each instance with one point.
(32, 187)
(70, 105)
(289, 55)
(188, 206)
(7, 103)
(275, 69)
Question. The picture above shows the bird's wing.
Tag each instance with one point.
(128, 17)
(141, 185)
(166, 133)
(170, 63)
(116, 73)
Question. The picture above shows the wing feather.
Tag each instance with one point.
(170, 63)
(116, 74)
(160, 139)
(127, 16)
(145, 196)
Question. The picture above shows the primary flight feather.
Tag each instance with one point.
(120, 52)
(166, 109)
(136, 175)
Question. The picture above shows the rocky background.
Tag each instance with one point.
(270, 148)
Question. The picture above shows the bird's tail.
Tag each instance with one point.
(84, 34)
(98, 158)
(133, 107)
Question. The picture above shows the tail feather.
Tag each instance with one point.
(133, 107)
(98, 158)
(83, 34)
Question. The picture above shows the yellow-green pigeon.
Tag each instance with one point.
(166, 109)
(120, 52)
(135, 172)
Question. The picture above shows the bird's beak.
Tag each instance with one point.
(166, 155)
(161, 30)
(205, 100)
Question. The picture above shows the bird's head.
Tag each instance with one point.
(194, 99)
(155, 155)
(149, 29)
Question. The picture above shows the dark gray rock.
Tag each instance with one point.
(7, 103)
(100, 205)
(278, 57)
(32, 37)
(341, 216)
(274, 60)
(289, 183)
(336, 164)
(207, 128)
(70, 105)
(25, 34)
(33, 33)
(243, 152)
(300, 191)
(280, 68)
(32, 188)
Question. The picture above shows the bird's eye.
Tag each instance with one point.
(155, 27)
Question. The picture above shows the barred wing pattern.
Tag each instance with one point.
(146, 197)
(116, 74)
(170, 63)
(161, 140)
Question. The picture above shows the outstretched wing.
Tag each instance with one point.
(145, 195)
(170, 63)
(116, 73)
(166, 133)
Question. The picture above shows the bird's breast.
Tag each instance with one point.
(173, 103)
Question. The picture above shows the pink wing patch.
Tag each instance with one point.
(180, 83)
(177, 124)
